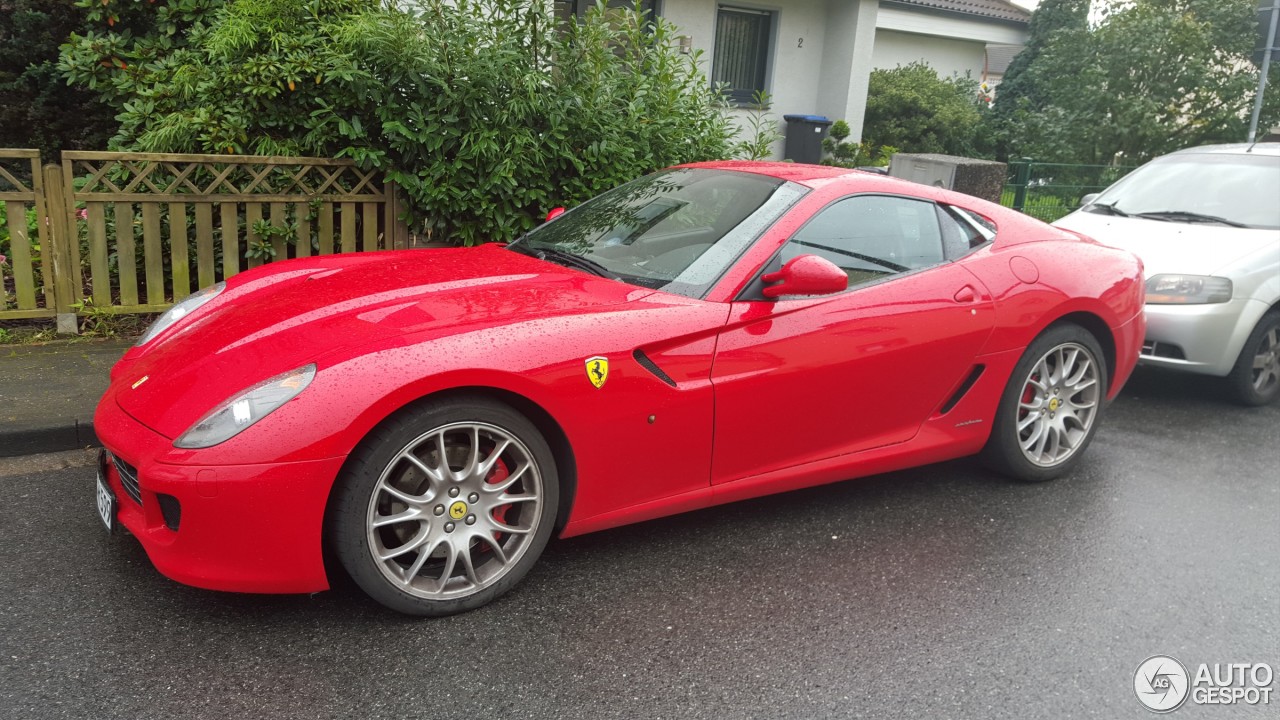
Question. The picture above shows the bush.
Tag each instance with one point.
(485, 112)
(911, 108)
(37, 109)
(853, 155)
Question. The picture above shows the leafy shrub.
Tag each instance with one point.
(853, 155)
(37, 108)
(760, 127)
(911, 108)
(485, 112)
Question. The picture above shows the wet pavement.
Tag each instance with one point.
(940, 592)
(48, 393)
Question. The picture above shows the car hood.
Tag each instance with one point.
(1171, 247)
(288, 314)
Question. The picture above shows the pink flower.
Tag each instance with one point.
(83, 214)
(2, 259)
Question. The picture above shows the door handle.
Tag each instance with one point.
(966, 294)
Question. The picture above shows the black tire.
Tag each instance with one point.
(362, 498)
(1252, 386)
(1004, 452)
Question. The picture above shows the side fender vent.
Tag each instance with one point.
(652, 367)
(964, 388)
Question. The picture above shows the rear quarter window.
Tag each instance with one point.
(966, 230)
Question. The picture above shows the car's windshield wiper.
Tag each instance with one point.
(1187, 215)
(560, 257)
(1110, 209)
(859, 256)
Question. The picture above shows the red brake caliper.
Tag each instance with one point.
(1027, 395)
(500, 473)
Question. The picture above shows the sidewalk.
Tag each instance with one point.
(48, 394)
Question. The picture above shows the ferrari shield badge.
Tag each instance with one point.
(598, 370)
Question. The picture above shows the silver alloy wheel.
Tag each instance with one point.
(454, 510)
(1266, 363)
(1058, 404)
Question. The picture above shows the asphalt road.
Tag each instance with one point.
(942, 592)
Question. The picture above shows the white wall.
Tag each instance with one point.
(946, 55)
(797, 69)
(792, 78)
(846, 64)
(823, 50)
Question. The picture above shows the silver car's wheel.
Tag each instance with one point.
(445, 506)
(1051, 405)
(1058, 404)
(1266, 363)
(454, 510)
(1255, 379)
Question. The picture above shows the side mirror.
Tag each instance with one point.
(1087, 200)
(555, 213)
(806, 275)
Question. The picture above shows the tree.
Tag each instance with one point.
(1019, 93)
(39, 110)
(1152, 76)
(914, 110)
(485, 112)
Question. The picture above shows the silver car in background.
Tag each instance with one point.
(1206, 223)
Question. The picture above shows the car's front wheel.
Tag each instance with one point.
(1255, 379)
(446, 506)
(1050, 409)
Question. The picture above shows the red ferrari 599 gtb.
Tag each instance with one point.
(705, 334)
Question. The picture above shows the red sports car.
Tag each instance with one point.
(705, 334)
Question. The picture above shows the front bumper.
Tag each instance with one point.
(1199, 338)
(244, 528)
(1128, 343)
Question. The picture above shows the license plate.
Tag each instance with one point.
(106, 502)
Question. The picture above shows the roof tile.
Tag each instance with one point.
(996, 9)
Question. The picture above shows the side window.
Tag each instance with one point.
(872, 236)
(976, 229)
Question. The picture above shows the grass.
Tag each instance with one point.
(1042, 207)
(19, 332)
(93, 326)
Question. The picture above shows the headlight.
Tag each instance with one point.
(233, 416)
(1187, 290)
(181, 310)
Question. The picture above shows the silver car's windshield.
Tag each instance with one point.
(1229, 189)
(676, 230)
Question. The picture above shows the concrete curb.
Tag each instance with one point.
(50, 392)
(74, 435)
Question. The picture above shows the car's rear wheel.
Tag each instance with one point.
(1050, 409)
(446, 506)
(1255, 379)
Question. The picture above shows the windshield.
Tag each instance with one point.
(677, 230)
(1238, 189)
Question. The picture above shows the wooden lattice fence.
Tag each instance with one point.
(135, 232)
(26, 287)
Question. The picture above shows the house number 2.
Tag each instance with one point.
(800, 43)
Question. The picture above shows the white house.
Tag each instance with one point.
(815, 56)
(977, 38)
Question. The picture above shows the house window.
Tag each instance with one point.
(565, 9)
(741, 59)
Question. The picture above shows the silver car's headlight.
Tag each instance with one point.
(233, 416)
(1187, 290)
(180, 310)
